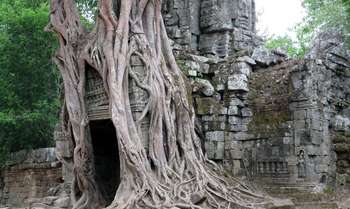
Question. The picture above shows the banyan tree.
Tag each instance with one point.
(126, 99)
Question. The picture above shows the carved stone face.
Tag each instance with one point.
(215, 15)
(245, 11)
(245, 7)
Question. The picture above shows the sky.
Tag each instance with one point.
(276, 17)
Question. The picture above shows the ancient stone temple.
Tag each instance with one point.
(102, 130)
(279, 122)
(260, 114)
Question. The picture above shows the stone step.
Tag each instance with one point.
(316, 205)
(286, 190)
(289, 188)
(302, 196)
(309, 197)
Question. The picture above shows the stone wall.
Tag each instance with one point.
(269, 148)
(333, 55)
(273, 119)
(221, 100)
(211, 27)
(29, 175)
(342, 148)
(291, 140)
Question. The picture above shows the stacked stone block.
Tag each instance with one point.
(220, 88)
(211, 27)
(30, 175)
(330, 73)
(271, 118)
(310, 124)
(179, 16)
(270, 145)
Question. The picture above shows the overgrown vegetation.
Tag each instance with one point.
(321, 15)
(287, 44)
(28, 79)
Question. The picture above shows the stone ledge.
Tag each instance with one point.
(42, 155)
(25, 166)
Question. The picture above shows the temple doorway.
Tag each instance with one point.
(106, 155)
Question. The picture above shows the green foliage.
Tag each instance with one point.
(321, 15)
(329, 191)
(325, 15)
(292, 48)
(347, 5)
(28, 79)
(87, 9)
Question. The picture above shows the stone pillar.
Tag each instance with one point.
(246, 15)
(178, 19)
(64, 151)
(215, 23)
(210, 27)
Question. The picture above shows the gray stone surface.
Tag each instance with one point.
(242, 68)
(216, 16)
(63, 202)
(238, 82)
(28, 175)
(282, 204)
(265, 58)
(211, 27)
(43, 155)
(278, 116)
(203, 86)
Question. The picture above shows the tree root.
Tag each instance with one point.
(173, 172)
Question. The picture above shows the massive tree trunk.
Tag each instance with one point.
(173, 171)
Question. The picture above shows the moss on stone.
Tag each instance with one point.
(208, 106)
(182, 65)
(342, 147)
(341, 138)
(347, 179)
(268, 122)
(269, 97)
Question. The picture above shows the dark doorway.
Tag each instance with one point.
(106, 155)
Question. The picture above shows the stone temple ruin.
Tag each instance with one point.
(280, 122)
(211, 27)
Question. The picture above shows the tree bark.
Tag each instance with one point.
(173, 172)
